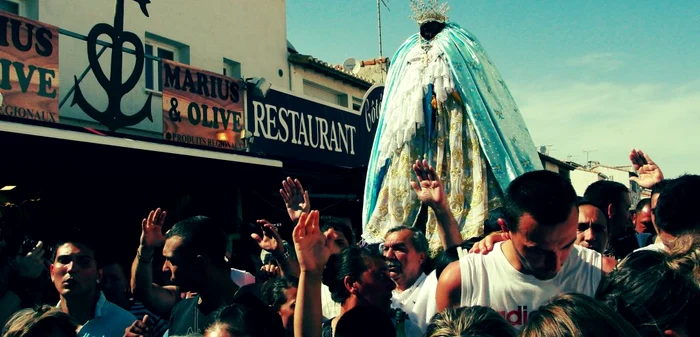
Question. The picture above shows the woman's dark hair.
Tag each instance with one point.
(245, 320)
(656, 291)
(476, 321)
(328, 222)
(39, 322)
(365, 321)
(576, 315)
(352, 262)
(273, 291)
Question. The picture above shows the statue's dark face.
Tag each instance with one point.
(430, 29)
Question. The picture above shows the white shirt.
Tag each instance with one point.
(491, 281)
(329, 308)
(418, 301)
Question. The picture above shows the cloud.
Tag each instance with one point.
(612, 118)
(601, 61)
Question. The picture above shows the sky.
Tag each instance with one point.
(598, 76)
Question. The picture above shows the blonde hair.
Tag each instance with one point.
(684, 256)
(39, 322)
(473, 321)
(576, 315)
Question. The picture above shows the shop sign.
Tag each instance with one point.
(201, 107)
(28, 69)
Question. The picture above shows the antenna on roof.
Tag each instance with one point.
(588, 152)
(379, 22)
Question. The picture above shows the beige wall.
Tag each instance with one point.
(580, 179)
(551, 167)
(300, 74)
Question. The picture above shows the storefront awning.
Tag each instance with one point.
(39, 131)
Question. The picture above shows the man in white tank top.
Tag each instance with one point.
(537, 263)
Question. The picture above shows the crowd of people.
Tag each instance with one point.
(561, 265)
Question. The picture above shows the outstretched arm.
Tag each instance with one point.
(449, 288)
(313, 252)
(160, 300)
(430, 192)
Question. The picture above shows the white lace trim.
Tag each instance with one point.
(405, 109)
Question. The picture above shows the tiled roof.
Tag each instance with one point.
(329, 69)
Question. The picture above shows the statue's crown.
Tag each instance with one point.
(433, 10)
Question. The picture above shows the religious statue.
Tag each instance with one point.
(444, 101)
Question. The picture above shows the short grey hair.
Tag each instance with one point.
(420, 243)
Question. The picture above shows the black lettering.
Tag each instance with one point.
(193, 114)
(225, 117)
(24, 80)
(234, 89)
(215, 112)
(216, 87)
(172, 76)
(202, 88)
(16, 33)
(46, 77)
(222, 88)
(237, 127)
(5, 77)
(44, 47)
(205, 118)
(188, 82)
(3, 31)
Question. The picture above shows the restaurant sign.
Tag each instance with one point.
(285, 125)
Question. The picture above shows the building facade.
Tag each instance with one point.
(583, 176)
(296, 115)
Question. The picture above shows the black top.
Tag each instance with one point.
(186, 319)
(623, 246)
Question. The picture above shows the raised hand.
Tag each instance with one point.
(32, 265)
(152, 229)
(429, 188)
(649, 173)
(312, 247)
(295, 198)
(271, 241)
(140, 328)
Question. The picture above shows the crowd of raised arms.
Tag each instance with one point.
(560, 266)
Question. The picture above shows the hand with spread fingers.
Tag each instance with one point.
(649, 173)
(32, 265)
(270, 241)
(312, 248)
(429, 188)
(152, 229)
(295, 198)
